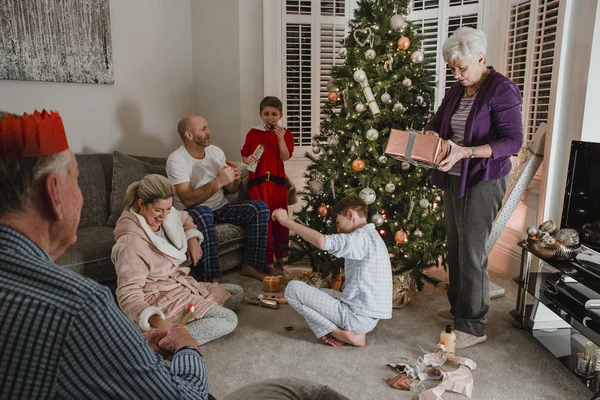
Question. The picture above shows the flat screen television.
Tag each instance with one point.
(581, 207)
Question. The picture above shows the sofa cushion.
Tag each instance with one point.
(90, 256)
(127, 170)
(95, 175)
(229, 237)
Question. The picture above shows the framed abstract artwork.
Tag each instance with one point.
(56, 41)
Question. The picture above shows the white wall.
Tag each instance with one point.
(227, 68)
(591, 116)
(153, 84)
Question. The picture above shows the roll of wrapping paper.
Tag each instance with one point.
(258, 152)
(370, 98)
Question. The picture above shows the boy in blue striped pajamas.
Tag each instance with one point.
(346, 317)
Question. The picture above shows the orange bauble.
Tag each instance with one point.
(333, 97)
(358, 165)
(322, 210)
(403, 43)
(400, 237)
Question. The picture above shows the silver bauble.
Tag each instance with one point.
(533, 230)
(417, 56)
(417, 233)
(377, 219)
(568, 237)
(359, 75)
(390, 187)
(397, 22)
(315, 187)
(406, 82)
(405, 166)
(423, 203)
(372, 134)
(419, 99)
(368, 195)
(360, 107)
(382, 159)
(331, 86)
(398, 107)
(370, 54)
(333, 140)
(343, 52)
(386, 98)
(316, 149)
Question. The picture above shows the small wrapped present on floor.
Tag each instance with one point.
(416, 148)
(272, 284)
(290, 272)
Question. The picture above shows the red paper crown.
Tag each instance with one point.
(32, 135)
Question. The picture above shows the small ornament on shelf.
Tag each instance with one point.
(377, 219)
(397, 22)
(372, 134)
(368, 195)
(333, 97)
(358, 165)
(323, 210)
(406, 82)
(386, 98)
(423, 203)
(400, 237)
(417, 57)
(403, 43)
(390, 187)
(398, 107)
(382, 159)
(360, 107)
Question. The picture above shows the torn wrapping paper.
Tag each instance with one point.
(401, 382)
(457, 381)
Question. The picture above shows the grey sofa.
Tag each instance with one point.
(90, 256)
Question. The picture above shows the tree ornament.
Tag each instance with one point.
(363, 40)
(417, 56)
(417, 233)
(315, 187)
(386, 98)
(333, 140)
(389, 63)
(368, 195)
(372, 134)
(403, 43)
(333, 97)
(370, 54)
(343, 52)
(322, 210)
(352, 145)
(400, 237)
(404, 166)
(331, 86)
(382, 159)
(330, 152)
(382, 233)
(390, 187)
(397, 22)
(406, 82)
(419, 100)
(411, 208)
(359, 75)
(316, 149)
(358, 165)
(423, 203)
(360, 107)
(398, 107)
(377, 219)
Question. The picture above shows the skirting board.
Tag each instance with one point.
(495, 291)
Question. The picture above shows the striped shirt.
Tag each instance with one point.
(367, 271)
(63, 337)
(457, 123)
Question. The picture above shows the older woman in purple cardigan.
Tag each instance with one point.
(480, 117)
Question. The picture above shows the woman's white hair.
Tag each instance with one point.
(465, 44)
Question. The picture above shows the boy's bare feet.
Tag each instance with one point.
(248, 270)
(349, 337)
(330, 340)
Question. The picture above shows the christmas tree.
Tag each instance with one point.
(383, 84)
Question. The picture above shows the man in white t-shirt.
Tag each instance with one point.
(200, 172)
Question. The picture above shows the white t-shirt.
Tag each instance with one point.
(182, 167)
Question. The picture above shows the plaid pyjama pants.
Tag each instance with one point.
(324, 311)
(251, 215)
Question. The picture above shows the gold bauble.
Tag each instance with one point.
(323, 210)
(358, 165)
(400, 236)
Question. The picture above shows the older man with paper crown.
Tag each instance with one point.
(63, 336)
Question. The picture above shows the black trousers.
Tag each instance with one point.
(469, 223)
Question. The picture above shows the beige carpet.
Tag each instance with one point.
(511, 364)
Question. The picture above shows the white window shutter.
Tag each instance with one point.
(454, 23)
(518, 32)
(332, 36)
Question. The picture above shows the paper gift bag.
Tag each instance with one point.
(272, 284)
(291, 271)
(416, 148)
(404, 288)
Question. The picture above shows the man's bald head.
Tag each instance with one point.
(185, 124)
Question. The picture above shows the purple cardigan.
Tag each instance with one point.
(495, 119)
